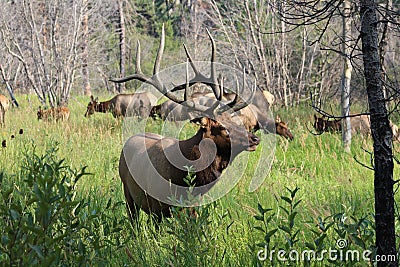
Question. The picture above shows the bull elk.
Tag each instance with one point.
(150, 162)
(139, 103)
(57, 114)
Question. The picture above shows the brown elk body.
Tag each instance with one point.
(140, 103)
(57, 114)
(170, 110)
(322, 124)
(217, 133)
(148, 149)
(359, 125)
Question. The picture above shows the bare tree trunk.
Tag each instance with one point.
(122, 44)
(299, 77)
(346, 77)
(381, 134)
(85, 55)
(383, 44)
(8, 86)
(256, 36)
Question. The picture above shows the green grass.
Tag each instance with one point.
(329, 181)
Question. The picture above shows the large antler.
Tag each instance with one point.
(211, 81)
(154, 80)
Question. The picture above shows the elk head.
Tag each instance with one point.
(282, 129)
(226, 135)
(40, 113)
(92, 106)
(319, 124)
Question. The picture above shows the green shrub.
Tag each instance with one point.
(44, 223)
(339, 240)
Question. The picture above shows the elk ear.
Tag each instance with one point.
(278, 119)
(203, 121)
(97, 99)
(91, 98)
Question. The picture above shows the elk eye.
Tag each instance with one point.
(226, 132)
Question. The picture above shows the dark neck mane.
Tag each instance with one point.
(190, 149)
(103, 107)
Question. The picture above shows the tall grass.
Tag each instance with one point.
(330, 184)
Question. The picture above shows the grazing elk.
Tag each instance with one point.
(209, 151)
(170, 110)
(139, 103)
(322, 124)
(57, 114)
(254, 119)
(359, 124)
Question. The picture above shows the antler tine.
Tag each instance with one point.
(211, 81)
(138, 69)
(234, 103)
(189, 57)
(157, 83)
(187, 82)
(221, 86)
(214, 82)
(160, 52)
(154, 81)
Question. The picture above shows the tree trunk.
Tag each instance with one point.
(8, 86)
(346, 77)
(85, 55)
(122, 44)
(383, 46)
(381, 134)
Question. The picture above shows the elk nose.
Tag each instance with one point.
(255, 139)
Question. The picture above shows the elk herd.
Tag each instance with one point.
(227, 121)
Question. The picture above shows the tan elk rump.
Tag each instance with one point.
(4, 105)
(209, 151)
(4, 102)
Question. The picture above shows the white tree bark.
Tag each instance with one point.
(346, 77)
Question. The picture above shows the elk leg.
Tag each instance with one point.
(131, 207)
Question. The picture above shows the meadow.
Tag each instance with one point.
(62, 202)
